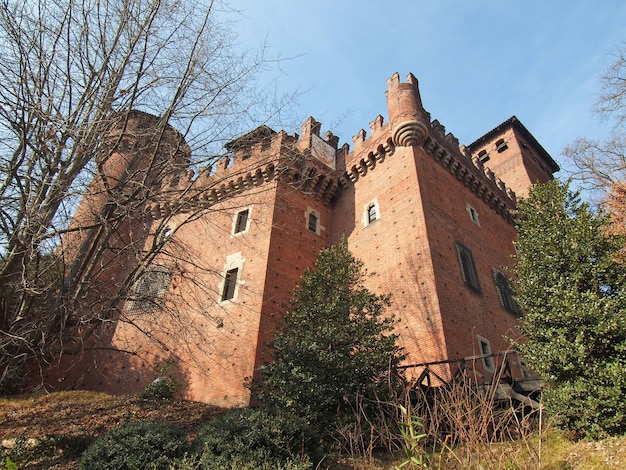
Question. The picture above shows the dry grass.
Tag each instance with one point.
(64, 423)
(50, 430)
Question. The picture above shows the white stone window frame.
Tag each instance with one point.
(367, 220)
(473, 214)
(318, 226)
(233, 261)
(236, 218)
(484, 347)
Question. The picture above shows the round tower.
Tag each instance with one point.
(407, 118)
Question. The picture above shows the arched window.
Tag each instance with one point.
(150, 288)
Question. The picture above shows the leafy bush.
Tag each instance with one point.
(27, 450)
(252, 438)
(138, 446)
(335, 347)
(162, 387)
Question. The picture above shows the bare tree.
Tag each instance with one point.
(600, 164)
(81, 83)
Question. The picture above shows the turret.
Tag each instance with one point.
(407, 118)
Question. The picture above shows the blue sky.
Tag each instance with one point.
(478, 63)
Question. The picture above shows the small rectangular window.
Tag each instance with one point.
(313, 222)
(486, 354)
(230, 282)
(468, 268)
(372, 213)
(242, 221)
(473, 213)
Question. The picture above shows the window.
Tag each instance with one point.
(486, 354)
(313, 222)
(505, 293)
(473, 213)
(501, 146)
(241, 221)
(483, 156)
(372, 213)
(149, 288)
(230, 282)
(468, 268)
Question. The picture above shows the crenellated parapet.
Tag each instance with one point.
(475, 177)
(256, 159)
(410, 126)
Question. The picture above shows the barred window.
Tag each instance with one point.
(150, 288)
(372, 213)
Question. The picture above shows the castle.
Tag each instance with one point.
(431, 220)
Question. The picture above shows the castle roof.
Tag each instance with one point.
(250, 138)
(517, 125)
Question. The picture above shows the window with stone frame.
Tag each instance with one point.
(241, 221)
(149, 290)
(372, 213)
(486, 354)
(473, 213)
(230, 283)
(313, 221)
(505, 293)
(468, 267)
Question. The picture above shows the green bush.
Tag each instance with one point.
(163, 387)
(136, 446)
(46, 447)
(253, 438)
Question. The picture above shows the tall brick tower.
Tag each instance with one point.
(430, 220)
(434, 224)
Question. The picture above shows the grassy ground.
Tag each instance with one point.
(49, 431)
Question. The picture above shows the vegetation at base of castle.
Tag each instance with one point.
(572, 286)
(160, 388)
(31, 425)
(136, 445)
(252, 438)
(334, 351)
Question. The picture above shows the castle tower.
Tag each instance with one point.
(435, 226)
(513, 153)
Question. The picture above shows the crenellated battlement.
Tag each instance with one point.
(257, 158)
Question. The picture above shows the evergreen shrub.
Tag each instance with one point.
(136, 446)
